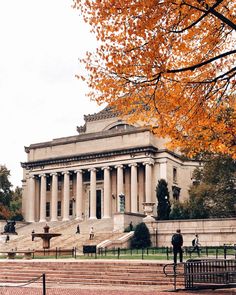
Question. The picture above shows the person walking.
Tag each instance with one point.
(196, 245)
(91, 233)
(177, 243)
(131, 226)
(78, 229)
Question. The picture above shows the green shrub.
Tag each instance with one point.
(141, 237)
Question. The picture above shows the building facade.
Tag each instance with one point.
(87, 175)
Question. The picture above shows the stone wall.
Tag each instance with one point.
(122, 220)
(211, 232)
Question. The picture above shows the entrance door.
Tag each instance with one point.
(99, 204)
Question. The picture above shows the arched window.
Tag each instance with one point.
(122, 127)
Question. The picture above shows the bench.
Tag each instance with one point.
(27, 254)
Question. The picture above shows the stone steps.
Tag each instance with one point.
(68, 238)
(86, 272)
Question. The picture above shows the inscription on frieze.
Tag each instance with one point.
(68, 164)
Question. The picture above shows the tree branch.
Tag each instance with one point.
(192, 68)
(215, 13)
(198, 20)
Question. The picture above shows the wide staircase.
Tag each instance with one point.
(87, 272)
(68, 239)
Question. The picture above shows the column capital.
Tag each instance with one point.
(65, 172)
(79, 171)
(106, 168)
(92, 169)
(32, 176)
(133, 164)
(54, 173)
(119, 166)
(149, 162)
(42, 175)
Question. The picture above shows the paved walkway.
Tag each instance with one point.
(104, 290)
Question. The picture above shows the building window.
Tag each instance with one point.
(176, 192)
(59, 184)
(47, 209)
(71, 208)
(59, 208)
(175, 175)
(48, 184)
(86, 176)
(100, 175)
(71, 185)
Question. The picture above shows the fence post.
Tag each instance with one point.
(56, 252)
(142, 253)
(167, 253)
(44, 284)
(225, 252)
(118, 252)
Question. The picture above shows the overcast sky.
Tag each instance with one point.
(41, 41)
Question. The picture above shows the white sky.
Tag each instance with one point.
(41, 41)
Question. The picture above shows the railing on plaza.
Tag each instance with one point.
(210, 273)
(195, 274)
(225, 252)
(161, 253)
(6, 288)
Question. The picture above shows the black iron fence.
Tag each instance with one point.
(161, 253)
(195, 274)
(210, 273)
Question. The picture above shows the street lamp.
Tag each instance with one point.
(155, 230)
(122, 202)
(154, 227)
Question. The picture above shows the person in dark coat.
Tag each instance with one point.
(78, 229)
(177, 243)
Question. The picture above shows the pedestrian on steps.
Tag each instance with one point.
(91, 233)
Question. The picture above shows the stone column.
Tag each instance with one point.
(148, 181)
(54, 197)
(31, 199)
(134, 188)
(79, 195)
(66, 197)
(93, 194)
(120, 184)
(42, 217)
(107, 193)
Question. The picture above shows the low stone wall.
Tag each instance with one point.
(122, 220)
(211, 232)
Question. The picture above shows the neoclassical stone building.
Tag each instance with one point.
(84, 176)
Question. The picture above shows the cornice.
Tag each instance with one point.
(89, 156)
(85, 137)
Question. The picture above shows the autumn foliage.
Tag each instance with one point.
(170, 64)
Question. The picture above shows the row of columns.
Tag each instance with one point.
(79, 192)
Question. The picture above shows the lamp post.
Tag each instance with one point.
(122, 202)
(154, 227)
(155, 230)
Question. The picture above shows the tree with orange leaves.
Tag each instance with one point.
(169, 64)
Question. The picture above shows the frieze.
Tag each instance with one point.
(86, 158)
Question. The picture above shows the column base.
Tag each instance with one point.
(54, 219)
(65, 219)
(92, 217)
(106, 217)
(79, 218)
(42, 220)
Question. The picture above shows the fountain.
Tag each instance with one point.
(46, 236)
